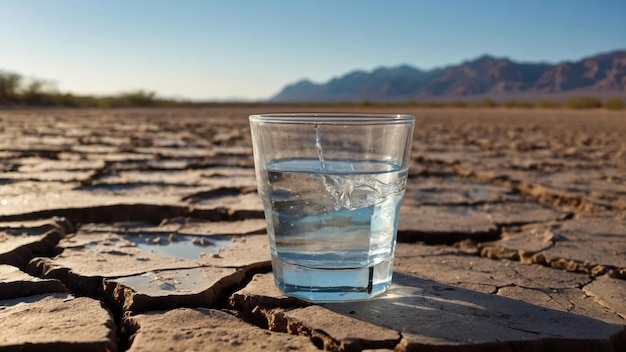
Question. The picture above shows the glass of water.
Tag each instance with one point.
(331, 186)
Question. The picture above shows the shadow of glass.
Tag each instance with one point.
(431, 314)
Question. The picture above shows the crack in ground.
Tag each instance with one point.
(93, 286)
(541, 257)
(557, 199)
(135, 212)
(275, 319)
(319, 337)
(601, 302)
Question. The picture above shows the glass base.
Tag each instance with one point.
(332, 285)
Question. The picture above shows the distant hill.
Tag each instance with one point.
(485, 76)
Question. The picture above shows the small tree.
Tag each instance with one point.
(38, 93)
(9, 87)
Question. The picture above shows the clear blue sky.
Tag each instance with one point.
(251, 49)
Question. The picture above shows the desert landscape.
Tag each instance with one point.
(140, 230)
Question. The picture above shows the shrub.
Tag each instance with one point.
(614, 103)
(583, 103)
(139, 98)
(433, 104)
(345, 103)
(458, 104)
(548, 104)
(412, 102)
(517, 104)
(15, 90)
(486, 103)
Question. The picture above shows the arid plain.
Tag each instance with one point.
(140, 229)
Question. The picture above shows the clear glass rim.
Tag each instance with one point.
(329, 118)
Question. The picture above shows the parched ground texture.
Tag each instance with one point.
(141, 230)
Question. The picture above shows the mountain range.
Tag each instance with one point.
(486, 76)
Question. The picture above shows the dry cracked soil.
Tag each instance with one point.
(141, 230)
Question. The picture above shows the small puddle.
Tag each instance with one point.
(476, 193)
(179, 281)
(178, 246)
(459, 211)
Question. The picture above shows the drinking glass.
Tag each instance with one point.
(331, 186)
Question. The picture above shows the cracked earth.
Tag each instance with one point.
(141, 230)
